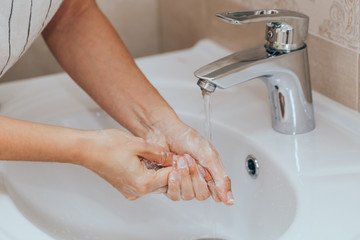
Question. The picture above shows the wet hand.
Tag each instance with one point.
(185, 180)
(182, 139)
(117, 157)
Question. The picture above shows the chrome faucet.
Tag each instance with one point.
(282, 63)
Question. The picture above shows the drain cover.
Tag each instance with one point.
(252, 166)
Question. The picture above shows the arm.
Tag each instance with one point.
(91, 52)
(89, 49)
(119, 153)
(27, 141)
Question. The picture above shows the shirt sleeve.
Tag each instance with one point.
(21, 22)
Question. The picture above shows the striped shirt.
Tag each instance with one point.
(21, 22)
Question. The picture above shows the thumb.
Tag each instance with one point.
(156, 153)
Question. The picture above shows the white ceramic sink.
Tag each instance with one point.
(307, 186)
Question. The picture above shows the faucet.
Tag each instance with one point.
(282, 64)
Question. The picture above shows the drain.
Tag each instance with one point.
(252, 166)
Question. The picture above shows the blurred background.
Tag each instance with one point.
(149, 27)
(135, 20)
(155, 26)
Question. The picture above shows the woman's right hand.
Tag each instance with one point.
(117, 157)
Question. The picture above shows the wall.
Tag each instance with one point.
(135, 20)
(333, 40)
(153, 26)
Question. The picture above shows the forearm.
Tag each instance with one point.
(90, 50)
(27, 141)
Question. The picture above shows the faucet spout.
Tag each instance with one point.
(282, 63)
(206, 85)
(286, 75)
(233, 69)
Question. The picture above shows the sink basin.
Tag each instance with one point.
(71, 202)
(305, 188)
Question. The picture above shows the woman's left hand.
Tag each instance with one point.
(182, 140)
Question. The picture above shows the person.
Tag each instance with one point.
(91, 52)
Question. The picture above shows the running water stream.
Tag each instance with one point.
(208, 131)
(208, 135)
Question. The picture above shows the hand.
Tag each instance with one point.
(182, 139)
(185, 180)
(117, 157)
(139, 106)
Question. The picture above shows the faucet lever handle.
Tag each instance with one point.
(285, 30)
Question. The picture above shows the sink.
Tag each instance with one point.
(71, 202)
(305, 187)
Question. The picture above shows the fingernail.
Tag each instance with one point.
(230, 198)
(181, 163)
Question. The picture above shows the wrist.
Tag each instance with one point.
(158, 121)
(165, 129)
(82, 146)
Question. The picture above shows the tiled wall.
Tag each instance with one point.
(333, 44)
(333, 40)
(152, 26)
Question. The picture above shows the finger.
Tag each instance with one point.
(212, 189)
(191, 142)
(130, 196)
(155, 153)
(173, 191)
(187, 191)
(211, 185)
(217, 172)
(161, 190)
(223, 189)
(200, 186)
(157, 179)
(222, 185)
(220, 190)
(204, 173)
